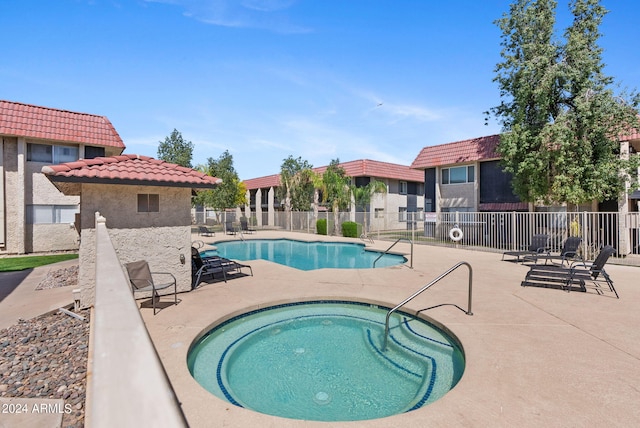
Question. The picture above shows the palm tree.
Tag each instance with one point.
(335, 190)
(362, 196)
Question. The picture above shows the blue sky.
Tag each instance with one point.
(265, 79)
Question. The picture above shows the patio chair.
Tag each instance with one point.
(205, 231)
(578, 275)
(568, 253)
(229, 228)
(539, 244)
(244, 227)
(142, 280)
(203, 267)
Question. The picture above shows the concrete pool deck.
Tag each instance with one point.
(534, 356)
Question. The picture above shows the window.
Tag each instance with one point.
(51, 154)
(458, 175)
(402, 214)
(91, 152)
(403, 188)
(148, 203)
(378, 213)
(51, 214)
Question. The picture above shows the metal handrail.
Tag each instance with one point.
(387, 251)
(408, 299)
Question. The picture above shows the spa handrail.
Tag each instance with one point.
(392, 245)
(408, 299)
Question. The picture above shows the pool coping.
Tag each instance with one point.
(533, 356)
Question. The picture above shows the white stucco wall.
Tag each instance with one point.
(159, 238)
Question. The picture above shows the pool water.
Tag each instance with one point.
(305, 255)
(323, 361)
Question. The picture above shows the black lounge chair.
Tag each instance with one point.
(578, 275)
(202, 267)
(205, 231)
(142, 280)
(539, 245)
(568, 253)
(229, 228)
(244, 227)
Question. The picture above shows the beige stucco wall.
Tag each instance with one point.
(40, 191)
(14, 184)
(159, 238)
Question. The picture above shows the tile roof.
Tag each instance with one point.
(504, 206)
(29, 121)
(129, 169)
(357, 168)
(475, 149)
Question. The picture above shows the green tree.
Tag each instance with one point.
(228, 194)
(176, 149)
(296, 185)
(560, 116)
(335, 190)
(363, 195)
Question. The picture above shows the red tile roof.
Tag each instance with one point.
(129, 169)
(29, 121)
(357, 168)
(635, 135)
(475, 149)
(504, 206)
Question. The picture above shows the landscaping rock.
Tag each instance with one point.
(46, 357)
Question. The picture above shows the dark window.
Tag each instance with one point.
(495, 184)
(148, 203)
(91, 152)
(362, 181)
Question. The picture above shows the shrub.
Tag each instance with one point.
(350, 229)
(321, 226)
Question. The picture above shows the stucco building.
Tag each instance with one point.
(466, 176)
(34, 215)
(147, 206)
(387, 211)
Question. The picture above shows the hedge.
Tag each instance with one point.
(321, 226)
(350, 229)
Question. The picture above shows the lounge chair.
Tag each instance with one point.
(578, 275)
(205, 231)
(229, 228)
(202, 267)
(539, 245)
(142, 280)
(244, 227)
(568, 253)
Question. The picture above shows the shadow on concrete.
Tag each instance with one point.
(9, 281)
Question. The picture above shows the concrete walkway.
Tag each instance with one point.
(19, 298)
(534, 356)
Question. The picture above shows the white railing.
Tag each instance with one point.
(491, 231)
(127, 385)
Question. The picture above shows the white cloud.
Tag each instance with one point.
(268, 15)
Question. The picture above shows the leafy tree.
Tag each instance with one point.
(296, 185)
(228, 194)
(560, 116)
(363, 195)
(176, 150)
(335, 190)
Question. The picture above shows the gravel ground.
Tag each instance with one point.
(46, 357)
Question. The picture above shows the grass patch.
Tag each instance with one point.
(21, 263)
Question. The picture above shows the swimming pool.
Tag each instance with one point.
(305, 255)
(323, 361)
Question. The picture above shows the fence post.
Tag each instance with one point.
(584, 235)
